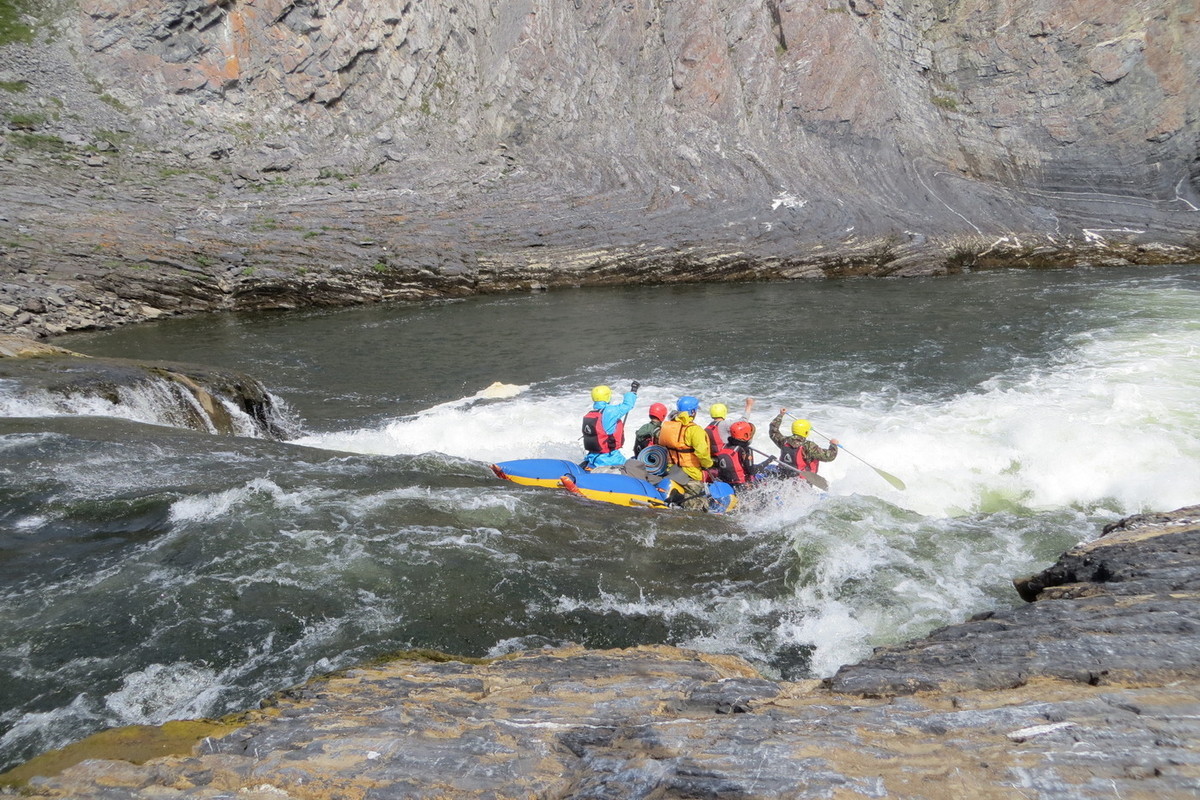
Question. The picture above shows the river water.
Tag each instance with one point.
(150, 573)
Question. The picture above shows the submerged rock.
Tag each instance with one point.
(990, 708)
(41, 379)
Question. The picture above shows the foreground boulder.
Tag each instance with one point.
(1071, 719)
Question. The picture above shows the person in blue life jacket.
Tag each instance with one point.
(604, 427)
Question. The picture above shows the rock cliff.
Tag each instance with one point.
(1090, 691)
(199, 154)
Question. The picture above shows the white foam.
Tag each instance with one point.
(162, 692)
(1113, 421)
(208, 507)
(152, 402)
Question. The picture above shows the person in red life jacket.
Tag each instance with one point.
(798, 451)
(648, 433)
(733, 462)
(718, 429)
(604, 427)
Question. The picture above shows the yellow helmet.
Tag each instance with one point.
(801, 427)
(601, 394)
(718, 411)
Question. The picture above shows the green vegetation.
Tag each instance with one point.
(41, 142)
(14, 86)
(311, 234)
(115, 139)
(379, 266)
(204, 261)
(247, 271)
(13, 28)
(114, 102)
(135, 743)
(948, 103)
(27, 121)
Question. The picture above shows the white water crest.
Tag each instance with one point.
(1104, 427)
(153, 401)
(1111, 423)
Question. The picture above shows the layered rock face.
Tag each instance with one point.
(1088, 692)
(257, 153)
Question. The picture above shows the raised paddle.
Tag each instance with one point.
(812, 477)
(887, 476)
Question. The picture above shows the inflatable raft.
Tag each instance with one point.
(636, 486)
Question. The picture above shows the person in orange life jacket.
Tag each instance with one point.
(734, 461)
(718, 429)
(604, 427)
(686, 442)
(798, 450)
(648, 433)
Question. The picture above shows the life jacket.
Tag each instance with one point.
(671, 436)
(714, 436)
(729, 464)
(794, 457)
(598, 440)
(640, 443)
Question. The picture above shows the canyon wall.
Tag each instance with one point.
(192, 154)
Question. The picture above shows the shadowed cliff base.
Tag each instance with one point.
(185, 157)
(1090, 691)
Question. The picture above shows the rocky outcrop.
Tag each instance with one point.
(42, 379)
(1133, 616)
(185, 156)
(1066, 697)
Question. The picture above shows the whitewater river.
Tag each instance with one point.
(150, 573)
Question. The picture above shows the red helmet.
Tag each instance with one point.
(658, 411)
(742, 431)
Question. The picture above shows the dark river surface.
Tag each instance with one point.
(150, 573)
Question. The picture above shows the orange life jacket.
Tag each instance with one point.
(672, 436)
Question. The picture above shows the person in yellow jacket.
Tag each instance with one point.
(686, 442)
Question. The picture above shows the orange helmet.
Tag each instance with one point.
(742, 431)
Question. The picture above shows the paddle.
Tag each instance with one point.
(812, 477)
(887, 476)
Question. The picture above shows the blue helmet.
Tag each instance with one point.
(688, 404)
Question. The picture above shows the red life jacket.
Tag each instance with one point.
(598, 440)
(714, 436)
(729, 464)
(794, 457)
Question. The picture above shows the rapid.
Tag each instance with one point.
(150, 573)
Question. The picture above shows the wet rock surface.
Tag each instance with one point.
(179, 157)
(184, 395)
(660, 722)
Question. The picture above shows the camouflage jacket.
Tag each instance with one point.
(812, 450)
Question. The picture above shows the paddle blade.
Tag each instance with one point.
(890, 478)
(815, 479)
